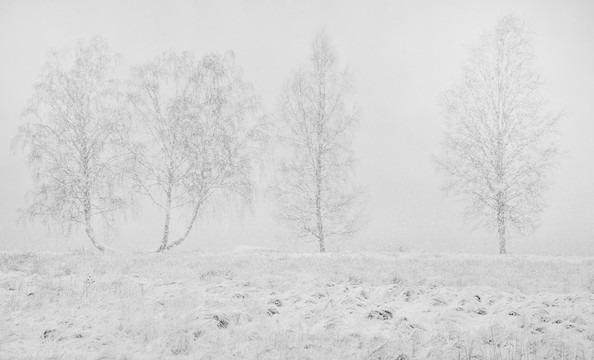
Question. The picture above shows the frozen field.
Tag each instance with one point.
(279, 306)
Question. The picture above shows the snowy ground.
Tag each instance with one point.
(279, 306)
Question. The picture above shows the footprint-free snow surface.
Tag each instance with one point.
(281, 306)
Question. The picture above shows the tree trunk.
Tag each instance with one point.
(319, 150)
(165, 238)
(188, 229)
(322, 244)
(501, 231)
(87, 205)
(320, 228)
(88, 226)
(319, 203)
(501, 227)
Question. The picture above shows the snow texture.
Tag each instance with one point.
(268, 305)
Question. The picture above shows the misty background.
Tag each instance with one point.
(402, 55)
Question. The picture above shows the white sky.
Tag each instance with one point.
(402, 54)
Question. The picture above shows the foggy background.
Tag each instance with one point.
(402, 54)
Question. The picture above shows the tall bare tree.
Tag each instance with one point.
(315, 191)
(72, 138)
(499, 145)
(196, 136)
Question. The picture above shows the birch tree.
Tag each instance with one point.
(499, 146)
(72, 139)
(315, 191)
(196, 135)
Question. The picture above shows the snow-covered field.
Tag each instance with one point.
(281, 306)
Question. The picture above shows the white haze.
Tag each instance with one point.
(402, 54)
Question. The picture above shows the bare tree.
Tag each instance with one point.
(499, 145)
(196, 134)
(72, 138)
(315, 192)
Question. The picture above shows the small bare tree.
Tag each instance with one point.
(73, 136)
(499, 145)
(196, 134)
(315, 192)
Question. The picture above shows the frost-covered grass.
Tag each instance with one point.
(280, 306)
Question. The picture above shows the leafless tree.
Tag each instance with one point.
(315, 191)
(72, 138)
(499, 145)
(196, 134)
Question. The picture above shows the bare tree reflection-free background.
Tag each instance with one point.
(73, 138)
(499, 148)
(402, 56)
(314, 190)
(196, 135)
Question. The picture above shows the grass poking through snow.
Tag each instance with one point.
(280, 306)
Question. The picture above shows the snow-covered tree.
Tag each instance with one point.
(196, 134)
(314, 191)
(72, 138)
(499, 146)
